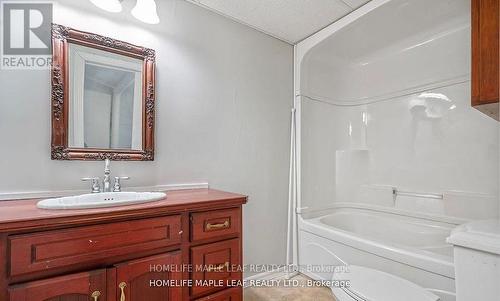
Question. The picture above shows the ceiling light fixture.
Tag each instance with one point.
(113, 6)
(145, 11)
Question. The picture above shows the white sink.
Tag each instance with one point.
(99, 200)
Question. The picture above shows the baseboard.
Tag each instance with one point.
(280, 273)
(50, 194)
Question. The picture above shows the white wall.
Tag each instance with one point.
(224, 95)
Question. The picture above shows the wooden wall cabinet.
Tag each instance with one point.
(133, 253)
(485, 72)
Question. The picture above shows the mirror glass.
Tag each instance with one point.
(105, 100)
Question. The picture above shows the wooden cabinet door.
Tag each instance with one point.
(485, 77)
(75, 287)
(155, 278)
(215, 266)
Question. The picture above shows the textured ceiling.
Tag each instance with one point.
(288, 20)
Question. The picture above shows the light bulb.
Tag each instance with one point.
(113, 6)
(145, 11)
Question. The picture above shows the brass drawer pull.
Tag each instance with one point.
(122, 286)
(218, 268)
(217, 226)
(96, 295)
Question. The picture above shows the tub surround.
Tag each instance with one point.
(395, 112)
(455, 207)
(113, 248)
(455, 204)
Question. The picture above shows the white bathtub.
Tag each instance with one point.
(410, 247)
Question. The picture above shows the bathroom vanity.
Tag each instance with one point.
(186, 246)
(150, 251)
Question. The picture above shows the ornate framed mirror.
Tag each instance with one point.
(103, 98)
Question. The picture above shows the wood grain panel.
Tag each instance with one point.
(4, 263)
(485, 52)
(209, 224)
(23, 215)
(125, 241)
(59, 248)
(214, 265)
(73, 287)
(137, 274)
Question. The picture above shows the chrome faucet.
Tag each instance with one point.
(96, 186)
(106, 184)
(117, 187)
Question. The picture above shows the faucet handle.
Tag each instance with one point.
(96, 187)
(117, 186)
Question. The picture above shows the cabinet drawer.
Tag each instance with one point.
(81, 286)
(210, 224)
(93, 244)
(233, 294)
(215, 266)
